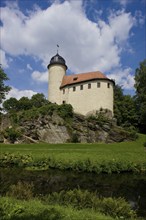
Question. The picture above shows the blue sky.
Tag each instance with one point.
(104, 35)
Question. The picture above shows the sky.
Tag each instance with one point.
(93, 35)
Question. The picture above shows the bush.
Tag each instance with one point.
(75, 138)
(100, 117)
(12, 160)
(115, 207)
(21, 190)
(12, 134)
(65, 111)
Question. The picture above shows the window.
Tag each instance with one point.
(63, 91)
(108, 85)
(75, 78)
(63, 102)
(89, 86)
(74, 89)
(81, 87)
(98, 85)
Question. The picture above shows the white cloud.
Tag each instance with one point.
(16, 93)
(124, 3)
(121, 23)
(40, 76)
(3, 59)
(29, 67)
(123, 77)
(139, 18)
(85, 45)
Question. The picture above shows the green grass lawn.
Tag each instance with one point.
(125, 152)
(133, 151)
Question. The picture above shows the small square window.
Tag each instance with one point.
(89, 86)
(98, 85)
(74, 89)
(63, 102)
(108, 85)
(81, 87)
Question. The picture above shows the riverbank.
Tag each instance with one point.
(30, 165)
(41, 183)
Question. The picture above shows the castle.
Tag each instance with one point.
(86, 92)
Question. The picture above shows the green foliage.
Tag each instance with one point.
(28, 115)
(97, 158)
(15, 160)
(140, 98)
(79, 165)
(12, 209)
(100, 117)
(48, 109)
(115, 207)
(22, 190)
(65, 111)
(38, 100)
(3, 88)
(24, 103)
(12, 134)
(124, 108)
(11, 104)
(75, 138)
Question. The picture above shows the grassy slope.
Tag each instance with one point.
(34, 209)
(124, 151)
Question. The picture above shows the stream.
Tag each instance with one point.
(132, 187)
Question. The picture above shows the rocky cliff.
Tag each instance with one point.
(55, 129)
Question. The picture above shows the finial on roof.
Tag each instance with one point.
(57, 48)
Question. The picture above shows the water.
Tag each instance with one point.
(132, 187)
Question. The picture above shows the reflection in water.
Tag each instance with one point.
(130, 186)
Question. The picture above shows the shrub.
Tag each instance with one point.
(115, 207)
(75, 138)
(12, 134)
(12, 160)
(65, 111)
(48, 109)
(22, 190)
(100, 117)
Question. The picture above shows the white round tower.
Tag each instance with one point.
(57, 69)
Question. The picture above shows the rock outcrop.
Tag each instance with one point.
(55, 129)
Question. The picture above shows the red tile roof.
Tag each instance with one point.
(82, 77)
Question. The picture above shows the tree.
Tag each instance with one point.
(118, 98)
(38, 100)
(24, 103)
(124, 108)
(11, 104)
(140, 98)
(3, 88)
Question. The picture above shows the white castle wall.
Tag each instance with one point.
(56, 73)
(89, 100)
